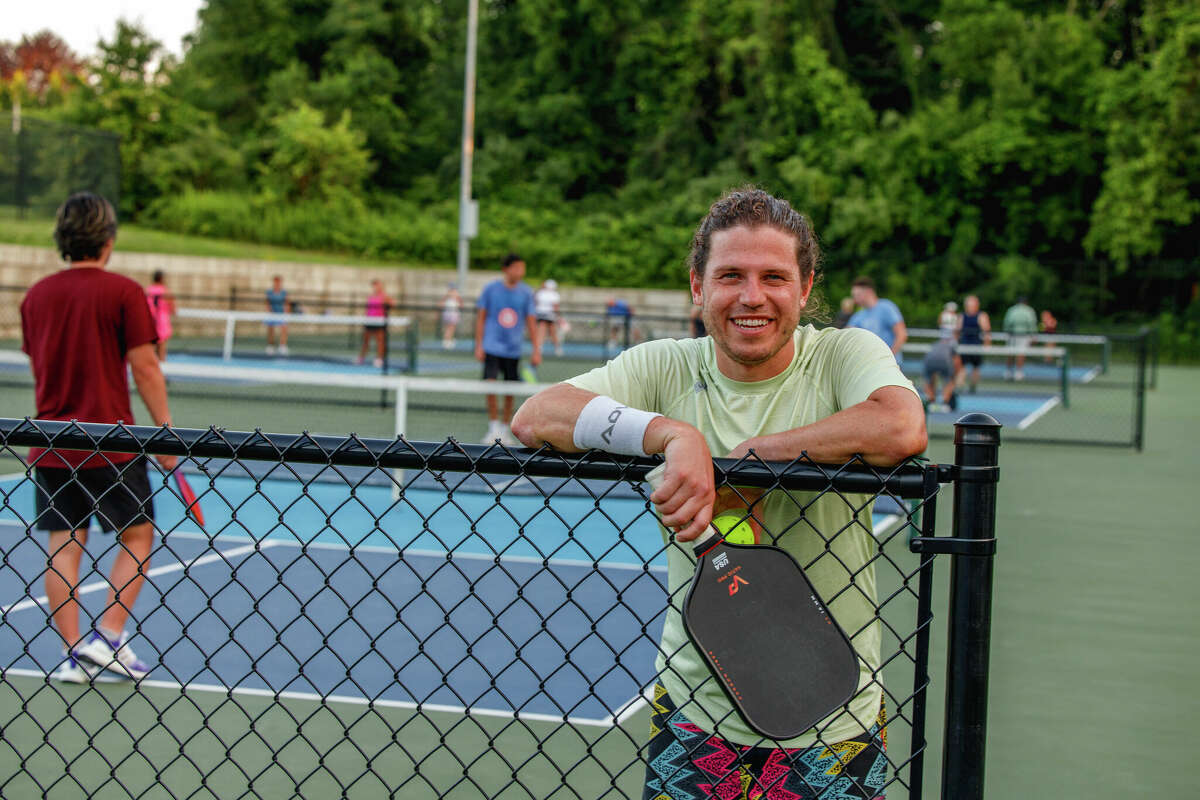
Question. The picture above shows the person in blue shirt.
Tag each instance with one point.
(878, 315)
(503, 307)
(618, 316)
(277, 304)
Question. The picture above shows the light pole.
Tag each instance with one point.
(468, 209)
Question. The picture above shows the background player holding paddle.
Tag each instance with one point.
(757, 382)
(81, 326)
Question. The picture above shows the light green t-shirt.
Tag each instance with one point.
(832, 370)
(1020, 320)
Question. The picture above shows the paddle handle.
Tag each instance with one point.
(705, 540)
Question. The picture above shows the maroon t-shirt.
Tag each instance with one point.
(77, 326)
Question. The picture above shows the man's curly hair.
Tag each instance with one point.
(753, 207)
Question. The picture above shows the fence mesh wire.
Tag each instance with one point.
(478, 623)
(42, 162)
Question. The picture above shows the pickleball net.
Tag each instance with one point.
(337, 338)
(391, 617)
(284, 397)
(1065, 389)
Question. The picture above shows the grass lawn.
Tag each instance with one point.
(36, 231)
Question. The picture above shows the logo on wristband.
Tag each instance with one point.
(613, 417)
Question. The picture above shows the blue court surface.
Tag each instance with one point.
(1012, 410)
(298, 589)
(1035, 371)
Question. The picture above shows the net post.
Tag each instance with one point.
(1105, 355)
(401, 423)
(1139, 392)
(1066, 378)
(976, 456)
(387, 338)
(227, 348)
(412, 336)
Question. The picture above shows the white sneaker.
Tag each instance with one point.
(507, 439)
(270, 349)
(72, 671)
(494, 432)
(283, 350)
(378, 363)
(1020, 375)
(116, 656)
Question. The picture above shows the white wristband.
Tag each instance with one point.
(605, 424)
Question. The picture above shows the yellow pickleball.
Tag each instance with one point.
(735, 528)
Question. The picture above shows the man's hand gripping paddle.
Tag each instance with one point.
(190, 502)
(753, 614)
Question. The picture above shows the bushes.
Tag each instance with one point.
(591, 248)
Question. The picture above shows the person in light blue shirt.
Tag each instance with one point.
(277, 298)
(878, 315)
(503, 307)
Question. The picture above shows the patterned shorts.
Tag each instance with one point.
(685, 763)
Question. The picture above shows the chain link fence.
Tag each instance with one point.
(373, 618)
(42, 162)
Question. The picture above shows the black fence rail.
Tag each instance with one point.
(367, 618)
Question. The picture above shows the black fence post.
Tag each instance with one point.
(1139, 391)
(976, 452)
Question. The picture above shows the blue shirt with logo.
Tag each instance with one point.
(503, 327)
(879, 320)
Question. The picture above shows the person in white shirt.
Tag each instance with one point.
(545, 308)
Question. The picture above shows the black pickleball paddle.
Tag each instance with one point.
(755, 617)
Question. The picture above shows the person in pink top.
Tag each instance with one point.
(162, 309)
(377, 305)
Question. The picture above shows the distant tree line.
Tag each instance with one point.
(943, 146)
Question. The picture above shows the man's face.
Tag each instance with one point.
(864, 296)
(971, 305)
(751, 295)
(514, 272)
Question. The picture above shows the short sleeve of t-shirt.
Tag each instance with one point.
(626, 378)
(858, 363)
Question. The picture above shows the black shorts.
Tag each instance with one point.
(118, 495)
(683, 762)
(496, 366)
(972, 360)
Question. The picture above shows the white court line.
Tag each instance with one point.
(178, 565)
(887, 524)
(439, 554)
(183, 688)
(1090, 375)
(1041, 411)
(13, 476)
(632, 707)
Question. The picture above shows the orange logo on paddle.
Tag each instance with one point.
(733, 584)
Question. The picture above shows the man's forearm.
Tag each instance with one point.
(883, 430)
(549, 417)
(152, 388)
(480, 320)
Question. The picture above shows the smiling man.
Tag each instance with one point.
(758, 382)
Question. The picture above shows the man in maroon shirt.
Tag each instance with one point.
(80, 327)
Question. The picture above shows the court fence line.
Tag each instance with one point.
(316, 644)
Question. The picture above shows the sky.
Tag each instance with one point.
(81, 23)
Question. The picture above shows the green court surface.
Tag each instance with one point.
(1093, 650)
(1094, 643)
